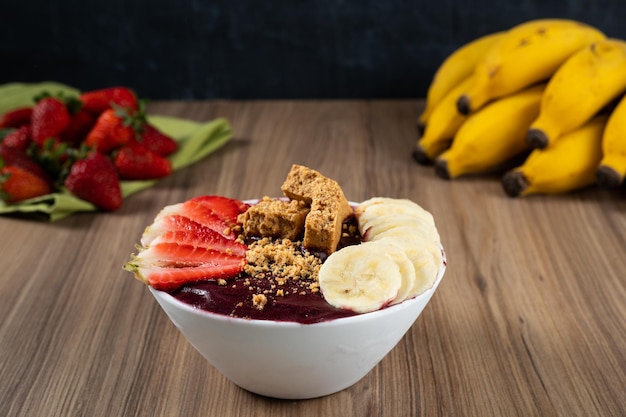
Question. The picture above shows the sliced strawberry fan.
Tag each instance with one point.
(189, 242)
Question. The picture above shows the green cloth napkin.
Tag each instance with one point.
(196, 140)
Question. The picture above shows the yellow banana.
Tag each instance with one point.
(492, 136)
(441, 127)
(455, 68)
(566, 165)
(612, 169)
(527, 54)
(588, 81)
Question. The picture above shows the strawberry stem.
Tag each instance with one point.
(134, 120)
(72, 102)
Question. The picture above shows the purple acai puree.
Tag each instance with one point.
(236, 299)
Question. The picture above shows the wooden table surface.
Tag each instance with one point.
(530, 319)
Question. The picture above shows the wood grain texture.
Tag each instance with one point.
(529, 320)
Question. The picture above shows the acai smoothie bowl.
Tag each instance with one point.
(292, 297)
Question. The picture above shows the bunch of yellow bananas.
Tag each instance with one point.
(548, 92)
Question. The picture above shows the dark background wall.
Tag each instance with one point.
(198, 49)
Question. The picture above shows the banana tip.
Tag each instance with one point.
(607, 177)
(537, 139)
(420, 156)
(421, 127)
(441, 169)
(514, 183)
(464, 105)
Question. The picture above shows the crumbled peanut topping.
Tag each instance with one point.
(283, 259)
(259, 301)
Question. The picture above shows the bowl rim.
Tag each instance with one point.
(332, 322)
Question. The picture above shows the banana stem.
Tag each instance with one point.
(608, 177)
(514, 183)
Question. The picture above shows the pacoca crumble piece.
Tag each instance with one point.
(329, 207)
(275, 218)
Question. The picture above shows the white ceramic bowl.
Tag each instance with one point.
(291, 360)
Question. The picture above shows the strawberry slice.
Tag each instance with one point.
(172, 222)
(203, 238)
(168, 265)
(178, 255)
(199, 214)
(225, 208)
(166, 278)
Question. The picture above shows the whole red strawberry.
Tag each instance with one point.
(136, 162)
(113, 129)
(157, 141)
(11, 156)
(49, 118)
(94, 179)
(18, 184)
(80, 124)
(97, 101)
(19, 138)
(16, 118)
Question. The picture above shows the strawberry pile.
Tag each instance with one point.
(85, 145)
(191, 241)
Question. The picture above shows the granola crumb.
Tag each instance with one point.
(259, 301)
(283, 259)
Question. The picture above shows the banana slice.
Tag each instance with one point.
(407, 270)
(364, 277)
(384, 205)
(407, 236)
(380, 224)
(382, 200)
(424, 264)
(388, 213)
